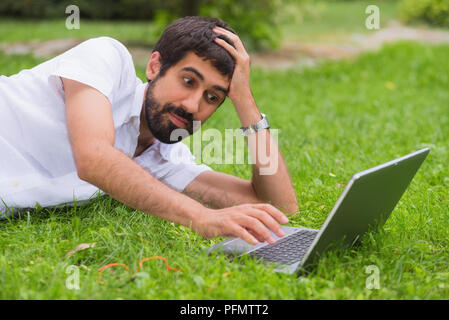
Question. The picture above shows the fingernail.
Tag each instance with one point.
(281, 232)
(271, 240)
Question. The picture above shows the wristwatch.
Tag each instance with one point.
(262, 124)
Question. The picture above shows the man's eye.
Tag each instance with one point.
(212, 97)
(188, 81)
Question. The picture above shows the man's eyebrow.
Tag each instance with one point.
(199, 75)
(219, 88)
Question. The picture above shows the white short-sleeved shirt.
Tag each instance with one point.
(36, 160)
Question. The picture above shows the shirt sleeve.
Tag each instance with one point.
(172, 164)
(98, 63)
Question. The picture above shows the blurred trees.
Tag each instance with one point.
(435, 12)
(255, 21)
(90, 9)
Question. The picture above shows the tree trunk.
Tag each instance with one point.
(190, 8)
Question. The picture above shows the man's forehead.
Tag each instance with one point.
(203, 69)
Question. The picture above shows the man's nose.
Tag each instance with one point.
(191, 103)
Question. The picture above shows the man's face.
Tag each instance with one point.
(190, 90)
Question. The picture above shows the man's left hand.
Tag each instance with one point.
(239, 89)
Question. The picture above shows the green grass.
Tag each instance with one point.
(332, 21)
(315, 21)
(130, 32)
(339, 118)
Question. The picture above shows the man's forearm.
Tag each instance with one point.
(124, 180)
(271, 180)
(274, 187)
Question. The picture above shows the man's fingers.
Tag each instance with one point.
(257, 227)
(245, 235)
(252, 223)
(267, 220)
(232, 51)
(232, 36)
(229, 34)
(255, 235)
(275, 213)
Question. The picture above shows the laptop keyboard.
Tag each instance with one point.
(287, 250)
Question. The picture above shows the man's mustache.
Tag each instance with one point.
(179, 111)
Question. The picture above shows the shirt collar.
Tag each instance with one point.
(137, 104)
(138, 99)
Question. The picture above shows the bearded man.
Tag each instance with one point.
(83, 122)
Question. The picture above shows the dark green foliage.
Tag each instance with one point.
(434, 12)
(254, 21)
(104, 9)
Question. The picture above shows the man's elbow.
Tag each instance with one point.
(289, 208)
(83, 170)
(87, 166)
(89, 160)
(288, 205)
(292, 208)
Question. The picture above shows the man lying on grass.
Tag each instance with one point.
(83, 121)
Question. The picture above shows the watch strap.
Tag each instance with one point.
(260, 125)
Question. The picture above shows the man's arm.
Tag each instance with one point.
(91, 132)
(270, 181)
(220, 190)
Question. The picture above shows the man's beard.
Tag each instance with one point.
(158, 119)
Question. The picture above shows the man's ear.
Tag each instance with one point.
(153, 66)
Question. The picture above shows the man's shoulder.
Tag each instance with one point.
(108, 40)
(103, 63)
(104, 43)
(113, 53)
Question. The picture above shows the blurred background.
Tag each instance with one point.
(278, 33)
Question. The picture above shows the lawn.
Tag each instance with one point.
(332, 21)
(335, 119)
(131, 32)
(314, 21)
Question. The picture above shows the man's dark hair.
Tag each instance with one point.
(195, 34)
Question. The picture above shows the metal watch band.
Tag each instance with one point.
(260, 125)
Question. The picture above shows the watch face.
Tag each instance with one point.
(262, 124)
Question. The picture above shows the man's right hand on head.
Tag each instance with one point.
(250, 222)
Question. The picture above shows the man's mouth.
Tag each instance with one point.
(177, 120)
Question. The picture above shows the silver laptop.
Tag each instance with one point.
(365, 204)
